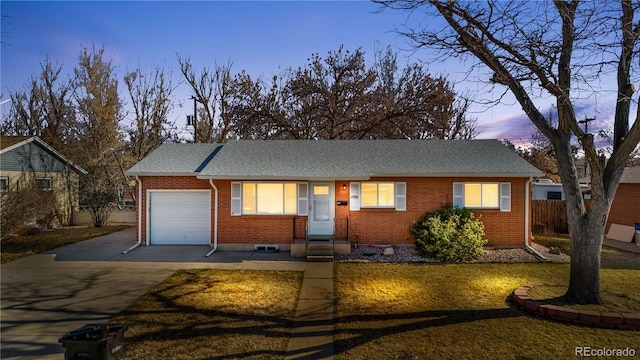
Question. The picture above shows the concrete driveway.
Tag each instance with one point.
(44, 296)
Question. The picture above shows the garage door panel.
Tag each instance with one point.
(180, 217)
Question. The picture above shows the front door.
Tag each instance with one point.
(321, 211)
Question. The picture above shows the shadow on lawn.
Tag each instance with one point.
(270, 328)
(401, 323)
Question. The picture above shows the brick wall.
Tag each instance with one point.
(169, 183)
(387, 226)
(367, 226)
(625, 209)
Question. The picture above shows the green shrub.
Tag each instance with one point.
(449, 235)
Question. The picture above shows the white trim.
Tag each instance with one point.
(215, 220)
(458, 194)
(401, 196)
(241, 198)
(354, 196)
(303, 199)
(236, 198)
(505, 196)
(322, 227)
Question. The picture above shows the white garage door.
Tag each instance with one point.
(180, 217)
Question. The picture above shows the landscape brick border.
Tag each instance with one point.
(620, 321)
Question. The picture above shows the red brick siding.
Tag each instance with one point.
(266, 229)
(367, 226)
(376, 226)
(170, 183)
(625, 209)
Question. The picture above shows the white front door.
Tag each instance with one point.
(321, 210)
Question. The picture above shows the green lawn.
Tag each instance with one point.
(458, 311)
(22, 245)
(213, 314)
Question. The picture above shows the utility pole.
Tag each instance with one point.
(195, 120)
(586, 122)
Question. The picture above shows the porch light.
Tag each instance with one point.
(344, 186)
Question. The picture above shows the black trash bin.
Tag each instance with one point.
(94, 342)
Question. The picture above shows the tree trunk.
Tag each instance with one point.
(586, 245)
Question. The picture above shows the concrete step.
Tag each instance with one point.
(320, 246)
(320, 258)
(320, 252)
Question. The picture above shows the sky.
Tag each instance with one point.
(260, 37)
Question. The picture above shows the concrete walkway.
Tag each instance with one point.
(44, 296)
(313, 328)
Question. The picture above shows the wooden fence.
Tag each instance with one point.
(550, 216)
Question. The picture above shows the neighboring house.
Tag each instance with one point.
(545, 189)
(245, 194)
(625, 209)
(24, 159)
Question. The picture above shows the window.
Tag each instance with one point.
(378, 195)
(43, 183)
(554, 195)
(264, 198)
(482, 195)
(4, 183)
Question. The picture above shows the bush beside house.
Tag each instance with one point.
(449, 234)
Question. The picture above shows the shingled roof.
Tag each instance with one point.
(335, 159)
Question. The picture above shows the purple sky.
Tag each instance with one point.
(259, 37)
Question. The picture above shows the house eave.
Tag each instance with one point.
(458, 175)
(48, 148)
(364, 178)
(284, 178)
(146, 174)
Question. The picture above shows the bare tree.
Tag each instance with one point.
(553, 49)
(209, 88)
(340, 97)
(44, 108)
(150, 96)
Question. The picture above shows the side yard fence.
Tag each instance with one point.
(120, 215)
(550, 216)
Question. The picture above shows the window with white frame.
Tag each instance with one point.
(371, 194)
(4, 183)
(482, 195)
(377, 194)
(43, 183)
(265, 198)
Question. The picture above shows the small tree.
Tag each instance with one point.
(98, 202)
(449, 234)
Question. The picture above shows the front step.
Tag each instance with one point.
(319, 252)
(320, 258)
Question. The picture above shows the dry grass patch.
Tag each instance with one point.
(210, 314)
(22, 245)
(610, 258)
(458, 311)
(618, 302)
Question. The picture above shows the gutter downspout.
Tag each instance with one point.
(139, 217)
(526, 222)
(215, 219)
